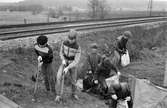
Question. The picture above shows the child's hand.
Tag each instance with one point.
(64, 62)
(114, 97)
(96, 81)
(89, 72)
(39, 59)
(128, 98)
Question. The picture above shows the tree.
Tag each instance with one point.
(60, 12)
(35, 8)
(51, 13)
(93, 8)
(98, 8)
(103, 9)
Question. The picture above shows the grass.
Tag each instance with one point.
(18, 18)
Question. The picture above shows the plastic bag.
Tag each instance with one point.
(112, 80)
(122, 104)
(125, 59)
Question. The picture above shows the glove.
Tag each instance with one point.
(39, 59)
(64, 62)
(128, 98)
(66, 70)
(96, 81)
(114, 97)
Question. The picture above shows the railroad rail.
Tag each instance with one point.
(19, 31)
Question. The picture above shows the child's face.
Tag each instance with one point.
(94, 50)
(42, 46)
(72, 40)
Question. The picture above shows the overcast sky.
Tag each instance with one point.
(10, 0)
(22, 0)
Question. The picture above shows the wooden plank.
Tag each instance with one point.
(6, 103)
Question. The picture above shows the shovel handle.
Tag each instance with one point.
(36, 83)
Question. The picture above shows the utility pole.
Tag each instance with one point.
(150, 6)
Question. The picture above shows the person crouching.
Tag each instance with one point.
(104, 71)
(120, 92)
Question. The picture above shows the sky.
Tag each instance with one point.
(9, 1)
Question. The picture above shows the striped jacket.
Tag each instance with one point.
(70, 53)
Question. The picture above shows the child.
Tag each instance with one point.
(92, 61)
(120, 92)
(105, 71)
(121, 47)
(70, 55)
(45, 58)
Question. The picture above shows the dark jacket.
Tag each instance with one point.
(105, 68)
(93, 59)
(122, 92)
(121, 44)
(46, 53)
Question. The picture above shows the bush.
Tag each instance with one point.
(146, 38)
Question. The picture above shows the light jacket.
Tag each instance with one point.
(70, 53)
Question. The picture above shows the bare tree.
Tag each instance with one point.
(98, 8)
(51, 13)
(103, 9)
(93, 8)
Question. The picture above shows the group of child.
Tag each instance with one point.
(100, 66)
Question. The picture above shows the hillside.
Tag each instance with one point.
(17, 66)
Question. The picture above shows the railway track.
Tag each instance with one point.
(19, 31)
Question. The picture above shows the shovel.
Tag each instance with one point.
(37, 78)
(62, 82)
